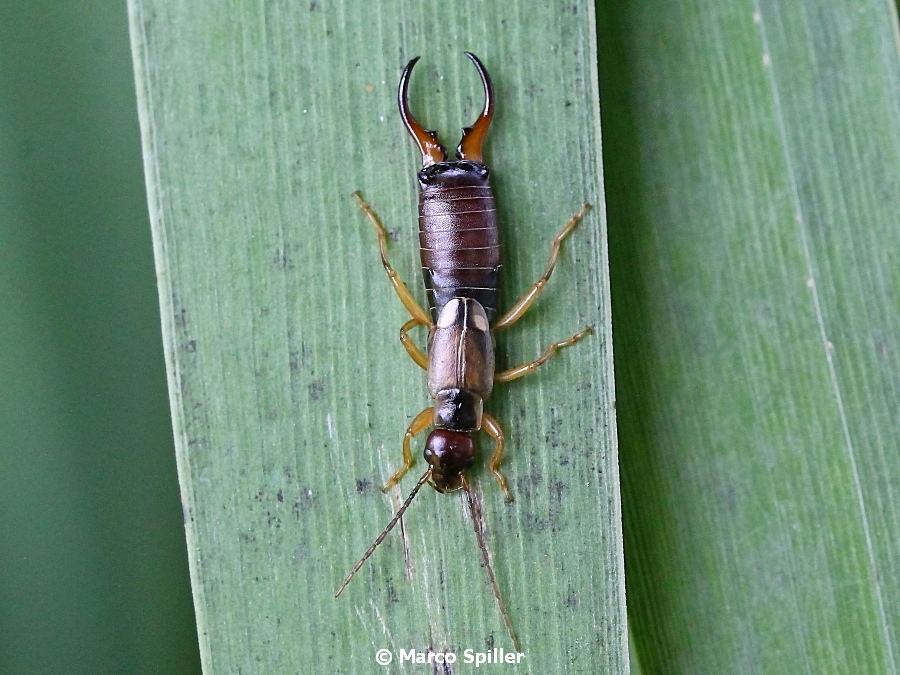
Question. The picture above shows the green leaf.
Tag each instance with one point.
(753, 166)
(289, 390)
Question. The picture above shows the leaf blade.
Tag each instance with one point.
(280, 331)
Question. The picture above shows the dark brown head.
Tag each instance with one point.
(449, 454)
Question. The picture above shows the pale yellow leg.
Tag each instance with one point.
(411, 347)
(403, 293)
(421, 422)
(492, 428)
(531, 295)
(525, 368)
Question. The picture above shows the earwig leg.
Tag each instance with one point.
(403, 293)
(421, 422)
(531, 295)
(525, 368)
(492, 428)
(411, 347)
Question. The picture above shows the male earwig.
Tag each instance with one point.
(459, 242)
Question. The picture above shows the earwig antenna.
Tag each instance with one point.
(476, 524)
(389, 527)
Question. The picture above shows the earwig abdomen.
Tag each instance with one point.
(458, 235)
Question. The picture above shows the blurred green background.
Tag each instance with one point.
(93, 566)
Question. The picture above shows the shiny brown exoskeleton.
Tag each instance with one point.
(460, 249)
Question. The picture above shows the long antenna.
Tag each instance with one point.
(389, 527)
(476, 524)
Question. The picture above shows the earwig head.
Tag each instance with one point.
(449, 454)
(473, 137)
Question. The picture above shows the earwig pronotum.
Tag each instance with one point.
(460, 249)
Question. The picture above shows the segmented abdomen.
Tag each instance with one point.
(459, 242)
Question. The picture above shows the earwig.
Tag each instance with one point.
(459, 243)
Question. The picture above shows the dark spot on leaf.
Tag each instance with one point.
(316, 390)
(284, 257)
(534, 524)
(305, 353)
(303, 503)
